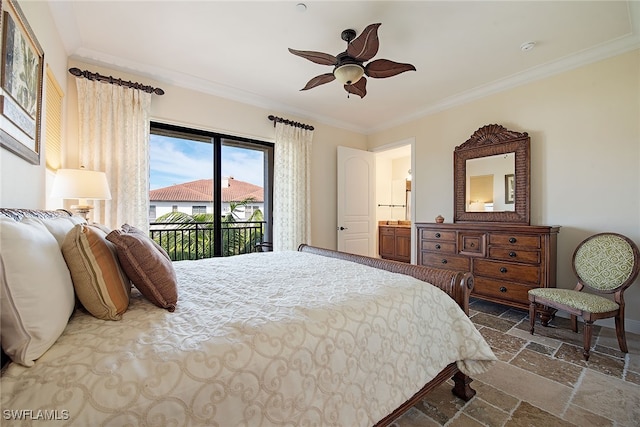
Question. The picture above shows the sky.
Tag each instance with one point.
(175, 161)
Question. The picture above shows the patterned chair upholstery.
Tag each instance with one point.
(605, 263)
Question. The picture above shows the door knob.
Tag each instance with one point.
(342, 228)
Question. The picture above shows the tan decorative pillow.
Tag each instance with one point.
(100, 284)
(147, 265)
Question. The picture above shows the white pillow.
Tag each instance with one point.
(36, 298)
(60, 226)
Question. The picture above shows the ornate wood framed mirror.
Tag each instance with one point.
(491, 177)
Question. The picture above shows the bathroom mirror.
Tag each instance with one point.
(491, 177)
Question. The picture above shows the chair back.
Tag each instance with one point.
(606, 262)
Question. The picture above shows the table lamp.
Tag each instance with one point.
(83, 185)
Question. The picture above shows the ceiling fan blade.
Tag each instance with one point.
(365, 46)
(382, 68)
(358, 88)
(317, 57)
(319, 80)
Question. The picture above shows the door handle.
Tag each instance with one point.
(343, 228)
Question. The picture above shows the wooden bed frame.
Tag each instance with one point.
(456, 284)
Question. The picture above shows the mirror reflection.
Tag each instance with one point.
(490, 185)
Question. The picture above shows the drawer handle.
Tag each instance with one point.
(512, 240)
(512, 254)
(473, 245)
(437, 235)
(503, 289)
(444, 261)
(437, 246)
(503, 269)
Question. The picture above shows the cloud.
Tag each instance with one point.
(243, 164)
(174, 161)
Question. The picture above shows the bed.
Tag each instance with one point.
(310, 337)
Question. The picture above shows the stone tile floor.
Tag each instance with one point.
(541, 379)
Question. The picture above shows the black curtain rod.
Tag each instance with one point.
(275, 119)
(112, 80)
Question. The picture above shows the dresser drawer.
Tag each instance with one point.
(501, 290)
(403, 231)
(450, 262)
(519, 240)
(437, 246)
(387, 231)
(515, 254)
(471, 243)
(526, 274)
(449, 236)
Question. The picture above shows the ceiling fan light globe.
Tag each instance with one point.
(348, 74)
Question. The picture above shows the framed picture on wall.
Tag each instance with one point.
(21, 75)
(509, 188)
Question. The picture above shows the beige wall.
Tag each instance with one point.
(585, 154)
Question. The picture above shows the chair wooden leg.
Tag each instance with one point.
(532, 317)
(574, 323)
(622, 339)
(587, 339)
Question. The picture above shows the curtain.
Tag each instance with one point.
(114, 138)
(292, 187)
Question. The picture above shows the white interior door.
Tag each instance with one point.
(356, 201)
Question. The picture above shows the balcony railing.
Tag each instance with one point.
(195, 240)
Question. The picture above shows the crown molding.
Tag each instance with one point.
(568, 63)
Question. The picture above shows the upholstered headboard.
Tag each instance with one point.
(18, 214)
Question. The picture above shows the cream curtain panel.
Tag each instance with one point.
(292, 187)
(114, 138)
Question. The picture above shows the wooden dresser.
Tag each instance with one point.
(394, 242)
(506, 259)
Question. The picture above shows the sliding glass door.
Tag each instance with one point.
(210, 194)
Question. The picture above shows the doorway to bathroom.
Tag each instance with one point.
(395, 187)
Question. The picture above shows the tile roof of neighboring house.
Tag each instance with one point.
(202, 191)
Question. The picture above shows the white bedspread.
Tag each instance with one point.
(267, 339)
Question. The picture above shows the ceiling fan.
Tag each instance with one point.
(348, 65)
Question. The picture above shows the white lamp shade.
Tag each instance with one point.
(81, 184)
(348, 74)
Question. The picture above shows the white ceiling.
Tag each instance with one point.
(462, 50)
